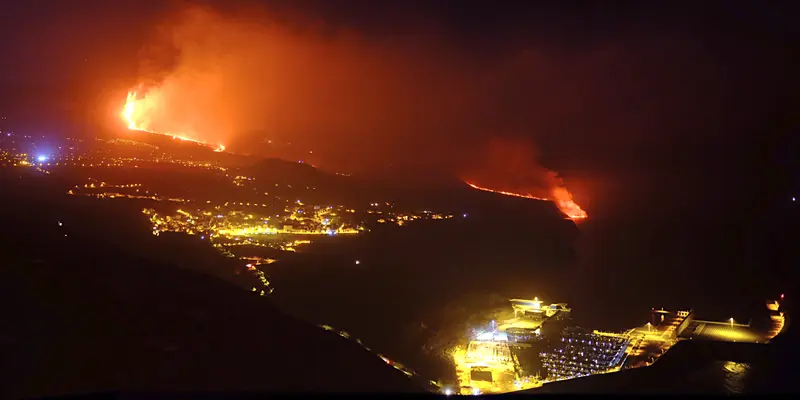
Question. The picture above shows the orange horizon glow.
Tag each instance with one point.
(135, 115)
(561, 197)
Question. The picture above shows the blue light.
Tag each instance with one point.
(41, 158)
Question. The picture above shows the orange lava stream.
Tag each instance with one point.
(131, 113)
(562, 199)
(525, 196)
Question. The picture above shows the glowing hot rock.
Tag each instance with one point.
(138, 114)
(561, 197)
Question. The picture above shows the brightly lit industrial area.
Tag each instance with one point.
(539, 346)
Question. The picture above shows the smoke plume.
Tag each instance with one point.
(512, 167)
(279, 84)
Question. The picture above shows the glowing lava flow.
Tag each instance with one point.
(133, 112)
(561, 197)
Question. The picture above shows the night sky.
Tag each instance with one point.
(607, 93)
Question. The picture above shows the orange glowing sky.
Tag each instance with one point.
(249, 80)
(407, 82)
(235, 80)
(141, 113)
(299, 87)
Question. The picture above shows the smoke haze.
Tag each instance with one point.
(512, 166)
(258, 87)
(288, 85)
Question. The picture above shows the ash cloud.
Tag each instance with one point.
(290, 85)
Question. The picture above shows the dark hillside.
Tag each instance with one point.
(82, 317)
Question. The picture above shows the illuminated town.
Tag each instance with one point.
(539, 346)
(254, 215)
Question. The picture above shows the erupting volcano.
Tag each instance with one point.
(140, 111)
(561, 197)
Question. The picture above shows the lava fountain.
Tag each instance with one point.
(138, 113)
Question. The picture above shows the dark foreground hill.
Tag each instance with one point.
(80, 317)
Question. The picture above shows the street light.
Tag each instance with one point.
(731, 322)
